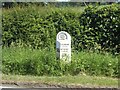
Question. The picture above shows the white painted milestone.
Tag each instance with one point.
(63, 46)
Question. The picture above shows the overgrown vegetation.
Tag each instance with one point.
(29, 40)
(28, 61)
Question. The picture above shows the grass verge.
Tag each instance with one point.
(69, 81)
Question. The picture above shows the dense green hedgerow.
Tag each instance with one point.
(26, 61)
(33, 28)
(96, 28)
(101, 28)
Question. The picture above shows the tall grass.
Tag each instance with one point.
(43, 10)
(26, 61)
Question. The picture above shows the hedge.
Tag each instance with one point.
(101, 28)
(97, 28)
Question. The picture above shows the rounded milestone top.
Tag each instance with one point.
(62, 35)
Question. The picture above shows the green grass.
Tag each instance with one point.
(26, 61)
(44, 10)
(79, 80)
